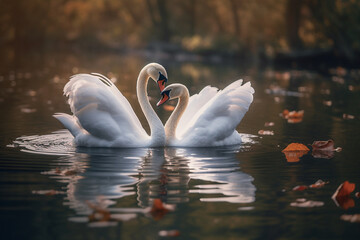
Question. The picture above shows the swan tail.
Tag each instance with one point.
(69, 122)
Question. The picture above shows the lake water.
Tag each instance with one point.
(53, 190)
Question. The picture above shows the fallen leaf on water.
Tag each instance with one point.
(341, 197)
(293, 116)
(269, 124)
(300, 188)
(348, 116)
(344, 189)
(48, 192)
(357, 194)
(169, 233)
(302, 202)
(351, 218)
(266, 132)
(318, 184)
(323, 145)
(294, 151)
(323, 149)
(168, 107)
(160, 209)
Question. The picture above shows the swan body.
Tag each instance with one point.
(102, 116)
(209, 118)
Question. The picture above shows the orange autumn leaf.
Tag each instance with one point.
(294, 151)
(295, 147)
(158, 209)
(293, 116)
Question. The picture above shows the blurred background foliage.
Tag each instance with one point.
(230, 27)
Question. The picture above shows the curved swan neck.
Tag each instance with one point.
(172, 122)
(157, 132)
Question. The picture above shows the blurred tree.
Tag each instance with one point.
(293, 18)
(227, 26)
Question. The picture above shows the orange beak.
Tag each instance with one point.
(163, 99)
(161, 84)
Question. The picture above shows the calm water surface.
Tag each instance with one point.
(53, 190)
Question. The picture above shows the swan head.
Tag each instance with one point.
(158, 74)
(172, 91)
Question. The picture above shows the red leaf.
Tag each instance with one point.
(318, 184)
(341, 196)
(300, 188)
(344, 189)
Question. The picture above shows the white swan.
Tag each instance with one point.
(102, 116)
(209, 118)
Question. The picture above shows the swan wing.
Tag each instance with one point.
(101, 109)
(196, 102)
(217, 120)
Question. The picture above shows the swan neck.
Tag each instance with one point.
(157, 133)
(171, 124)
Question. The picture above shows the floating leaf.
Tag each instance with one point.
(269, 124)
(160, 209)
(300, 188)
(293, 116)
(344, 189)
(169, 233)
(266, 132)
(48, 192)
(357, 194)
(318, 184)
(323, 149)
(341, 197)
(302, 202)
(351, 218)
(323, 145)
(294, 151)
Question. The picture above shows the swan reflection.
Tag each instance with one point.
(104, 176)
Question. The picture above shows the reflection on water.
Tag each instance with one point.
(213, 189)
(103, 176)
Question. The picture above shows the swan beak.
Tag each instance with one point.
(161, 84)
(161, 81)
(163, 99)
